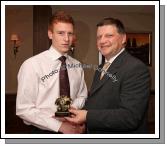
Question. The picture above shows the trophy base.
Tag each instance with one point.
(62, 114)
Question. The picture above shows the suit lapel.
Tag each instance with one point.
(106, 77)
(96, 78)
(112, 71)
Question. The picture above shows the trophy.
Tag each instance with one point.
(63, 104)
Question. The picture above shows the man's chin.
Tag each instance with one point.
(65, 50)
(103, 53)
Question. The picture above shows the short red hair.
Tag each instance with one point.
(60, 16)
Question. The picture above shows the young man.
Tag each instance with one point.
(39, 85)
(119, 94)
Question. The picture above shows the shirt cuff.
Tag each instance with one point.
(54, 124)
(78, 104)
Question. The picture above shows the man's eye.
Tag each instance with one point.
(98, 37)
(70, 34)
(109, 35)
(61, 32)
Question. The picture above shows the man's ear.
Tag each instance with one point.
(50, 34)
(124, 39)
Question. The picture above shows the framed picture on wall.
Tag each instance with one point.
(139, 45)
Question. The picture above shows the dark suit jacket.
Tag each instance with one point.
(118, 103)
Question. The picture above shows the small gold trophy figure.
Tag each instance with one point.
(63, 104)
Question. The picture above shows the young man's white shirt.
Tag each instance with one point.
(38, 88)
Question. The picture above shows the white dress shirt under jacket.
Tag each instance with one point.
(38, 88)
(114, 57)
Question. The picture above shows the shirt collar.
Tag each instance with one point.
(113, 58)
(54, 54)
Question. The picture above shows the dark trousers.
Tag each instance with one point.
(36, 130)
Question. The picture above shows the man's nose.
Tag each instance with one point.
(102, 40)
(66, 37)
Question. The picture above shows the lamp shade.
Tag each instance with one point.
(14, 37)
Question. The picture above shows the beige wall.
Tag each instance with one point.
(19, 19)
(135, 19)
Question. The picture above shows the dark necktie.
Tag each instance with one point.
(64, 80)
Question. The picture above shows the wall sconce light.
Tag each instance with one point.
(16, 43)
(73, 45)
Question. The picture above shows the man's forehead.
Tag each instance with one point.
(63, 26)
(106, 29)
